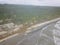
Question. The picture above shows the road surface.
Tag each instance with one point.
(44, 36)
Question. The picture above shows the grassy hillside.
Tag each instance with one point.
(25, 13)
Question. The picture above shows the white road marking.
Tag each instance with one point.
(31, 28)
(57, 25)
(37, 25)
(54, 37)
(8, 37)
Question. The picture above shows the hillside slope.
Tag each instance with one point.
(25, 13)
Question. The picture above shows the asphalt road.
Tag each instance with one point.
(42, 36)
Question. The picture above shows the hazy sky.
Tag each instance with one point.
(33, 2)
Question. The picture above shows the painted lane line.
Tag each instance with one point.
(8, 37)
(39, 25)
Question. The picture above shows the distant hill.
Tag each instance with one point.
(24, 13)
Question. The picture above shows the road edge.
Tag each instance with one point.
(32, 27)
(40, 24)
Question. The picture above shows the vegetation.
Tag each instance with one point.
(25, 13)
